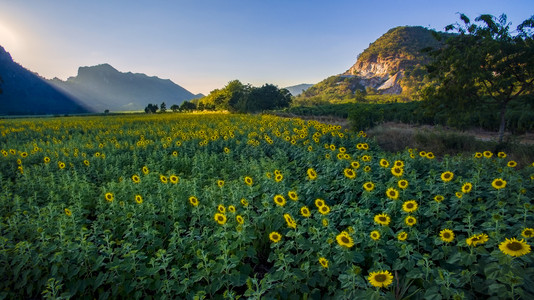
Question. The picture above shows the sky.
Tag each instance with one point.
(202, 45)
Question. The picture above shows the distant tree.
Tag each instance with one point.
(1, 81)
(187, 106)
(151, 108)
(482, 66)
(106, 111)
(163, 107)
(175, 107)
(267, 97)
(200, 105)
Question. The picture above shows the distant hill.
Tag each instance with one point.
(26, 93)
(296, 90)
(393, 64)
(102, 87)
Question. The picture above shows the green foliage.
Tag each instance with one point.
(237, 97)
(483, 66)
(151, 108)
(73, 227)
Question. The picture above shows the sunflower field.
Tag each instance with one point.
(195, 206)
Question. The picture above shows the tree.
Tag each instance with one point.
(483, 65)
(175, 108)
(163, 107)
(151, 108)
(187, 106)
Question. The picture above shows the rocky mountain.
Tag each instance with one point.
(103, 87)
(296, 90)
(26, 93)
(393, 64)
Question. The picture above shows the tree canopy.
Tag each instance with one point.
(238, 97)
(484, 65)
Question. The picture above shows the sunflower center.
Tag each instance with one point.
(528, 232)
(446, 235)
(382, 219)
(345, 240)
(409, 205)
(498, 183)
(380, 278)
(220, 218)
(515, 246)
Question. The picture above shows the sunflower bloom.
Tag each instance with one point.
(397, 172)
(384, 163)
(193, 201)
(244, 202)
(369, 186)
(375, 235)
(467, 187)
(324, 262)
(221, 208)
(501, 154)
(275, 237)
(403, 184)
(447, 176)
(498, 183)
(409, 206)
(319, 203)
(240, 219)
(410, 220)
(290, 221)
(278, 177)
(438, 198)
(380, 279)
(136, 178)
(477, 239)
(279, 200)
(349, 173)
(488, 154)
(402, 236)
(138, 199)
(220, 183)
(293, 195)
(324, 210)
(344, 240)
(514, 247)
(109, 197)
(305, 212)
(446, 235)
(392, 193)
(231, 209)
(527, 232)
(248, 180)
(145, 170)
(512, 164)
(220, 218)
(68, 212)
(382, 219)
(163, 179)
(312, 175)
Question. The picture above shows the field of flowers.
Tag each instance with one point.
(193, 206)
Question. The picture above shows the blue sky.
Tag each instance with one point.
(202, 45)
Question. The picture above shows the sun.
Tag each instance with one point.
(9, 39)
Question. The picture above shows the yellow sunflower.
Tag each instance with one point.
(68, 212)
(488, 154)
(109, 197)
(375, 235)
(325, 222)
(398, 164)
(344, 239)
(279, 200)
(355, 165)
(382, 219)
(438, 198)
(324, 210)
(409, 206)
(163, 179)
(367, 169)
(239, 219)
(138, 199)
(312, 175)
(514, 247)
(498, 183)
(512, 164)
(527, 232)
(46, 159)
(86, 162)
(324, 262)
(430, 155)
(231, 209)
(193, 201)
(477, 239)
(293, 195)
(397, 172)
(220, 183)
(220, 218)
(467, 187)
(384, 163)
(221, 208)
(402, 236)
(305, 212)
(290, 221)
(349, 173)
(61, 165)
(392, 193)
(275, 237)
(447, 176)
(145, 170)
(458, 195)
(500, 154)
(244, 202)
(380, 279)
(403, 184)
(410, 220)
(319, 202)
(369, 186)
(174, 179)
(446, 235)
(278, 177)
(478, 155)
